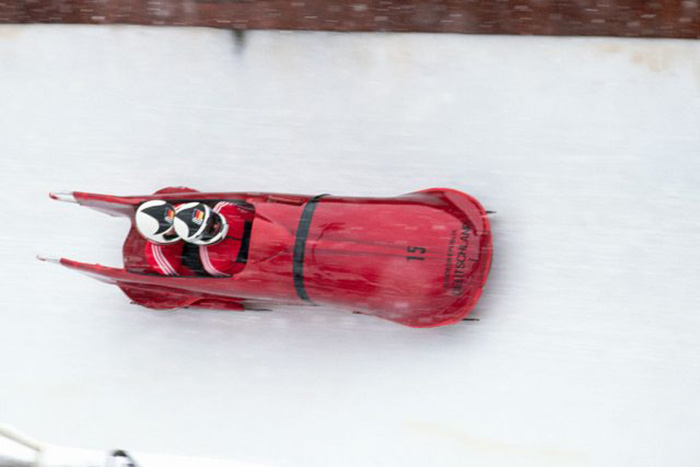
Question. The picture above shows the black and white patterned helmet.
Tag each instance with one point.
(197, 223)
(155, 221)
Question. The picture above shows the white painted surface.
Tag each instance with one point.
(588, 349)
(19, 450)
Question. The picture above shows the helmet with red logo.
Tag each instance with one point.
(197, 223)
(154, 220)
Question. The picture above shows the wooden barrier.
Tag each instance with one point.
(630, 18)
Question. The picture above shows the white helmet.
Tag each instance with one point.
(154, 220)
(197, 223)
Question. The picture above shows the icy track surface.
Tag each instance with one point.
(587, 351)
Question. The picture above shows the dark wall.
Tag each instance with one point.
(661, 18)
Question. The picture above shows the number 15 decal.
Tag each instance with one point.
(416, 251)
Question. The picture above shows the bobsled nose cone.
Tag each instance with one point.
(48, 259)
(66, 197)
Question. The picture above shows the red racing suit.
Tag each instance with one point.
(221, 259)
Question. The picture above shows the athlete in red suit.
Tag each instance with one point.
(166, 259)
(214, 241)
(222, 258)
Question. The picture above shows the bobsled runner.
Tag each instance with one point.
(420, 259)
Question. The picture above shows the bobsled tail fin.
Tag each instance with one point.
(64, 197)
(151, 291)
(118, 205)
(48, 259)
(112, 205)
(97, 271)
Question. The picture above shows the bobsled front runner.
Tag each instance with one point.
(419, 259)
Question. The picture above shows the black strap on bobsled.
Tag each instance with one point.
(245, 243)
(300, 246)
(192, 261)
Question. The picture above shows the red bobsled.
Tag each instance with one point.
(419, 259)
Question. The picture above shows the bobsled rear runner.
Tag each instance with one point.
(420, 259)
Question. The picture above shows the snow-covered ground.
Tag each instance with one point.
(587, 351)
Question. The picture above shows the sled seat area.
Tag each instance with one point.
(134, 249)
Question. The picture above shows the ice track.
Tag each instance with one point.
(587, 351)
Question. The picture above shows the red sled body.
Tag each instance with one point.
(420, 259)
